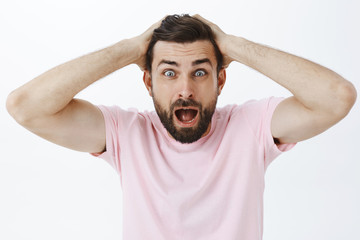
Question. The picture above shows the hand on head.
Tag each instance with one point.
(220, 37)
(143, 41)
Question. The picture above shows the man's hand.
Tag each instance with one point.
(221, 39)
(142, 42)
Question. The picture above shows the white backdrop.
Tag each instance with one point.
(49, 192)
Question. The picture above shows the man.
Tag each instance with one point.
(189, 170)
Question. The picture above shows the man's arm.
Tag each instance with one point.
(46, 105)
(321, 96)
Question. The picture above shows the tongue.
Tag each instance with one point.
(186, 115)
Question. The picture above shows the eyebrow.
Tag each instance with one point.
(168, 62)
(201, 61)
(194, 63)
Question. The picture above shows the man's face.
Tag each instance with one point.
(184, 85)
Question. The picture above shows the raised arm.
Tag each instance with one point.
(320, 99)
(47, 107)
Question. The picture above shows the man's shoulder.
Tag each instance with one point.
(251, 107)
(121, 116)
(251, 103)
(116, 110)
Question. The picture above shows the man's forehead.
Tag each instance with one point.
(193, 63)
(189, 52)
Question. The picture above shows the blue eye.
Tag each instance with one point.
(169, 73)
(200, 73)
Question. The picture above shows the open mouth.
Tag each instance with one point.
(186, 115)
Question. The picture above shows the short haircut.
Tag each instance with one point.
(182, 29)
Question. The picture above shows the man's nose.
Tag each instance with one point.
(186, 89)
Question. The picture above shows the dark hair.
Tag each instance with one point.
(182, 29)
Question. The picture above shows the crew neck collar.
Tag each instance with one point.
(183, 146)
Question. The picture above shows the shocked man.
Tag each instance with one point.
(188, 170)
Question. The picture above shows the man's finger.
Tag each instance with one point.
(202, 19)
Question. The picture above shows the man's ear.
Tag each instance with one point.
(221, 80)
(147, 81)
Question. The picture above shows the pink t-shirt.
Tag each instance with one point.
(208, 190)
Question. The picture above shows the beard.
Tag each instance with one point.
(186, 134)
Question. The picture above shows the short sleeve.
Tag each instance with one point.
(259, 115)
(116, 125)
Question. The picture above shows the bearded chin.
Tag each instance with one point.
(189, 134)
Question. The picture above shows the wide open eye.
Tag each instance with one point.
(169, 73)
(200, 73)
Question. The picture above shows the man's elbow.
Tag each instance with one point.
(15, 107)
(345, 97)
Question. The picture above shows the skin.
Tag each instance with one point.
(54, 114)
(184, 71)
(320, 98)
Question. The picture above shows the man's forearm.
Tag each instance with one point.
(316, 87)
(52, 91)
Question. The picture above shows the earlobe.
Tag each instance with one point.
(147, 81)
(221, 80)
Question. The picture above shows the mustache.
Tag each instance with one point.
(185, 103)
